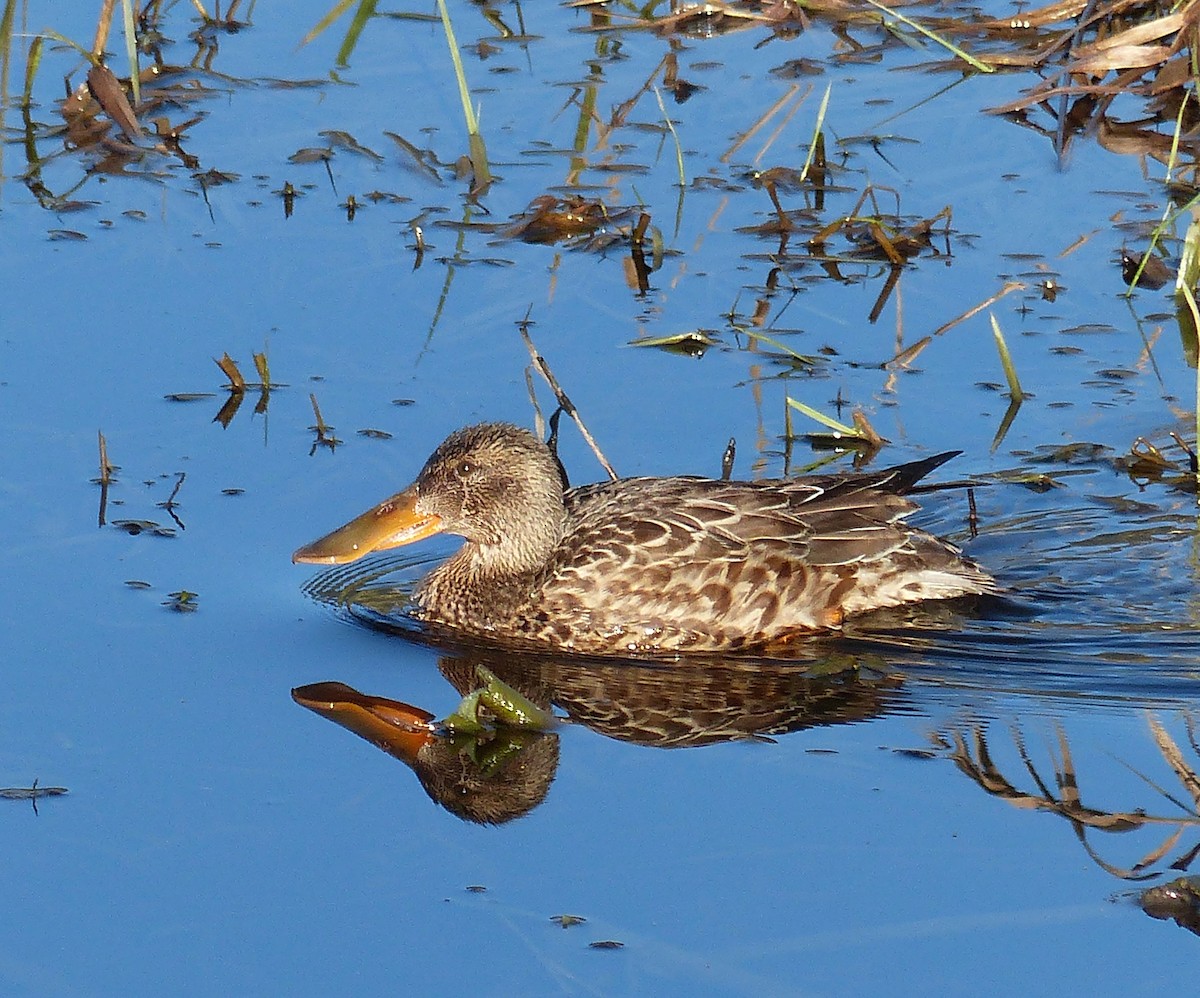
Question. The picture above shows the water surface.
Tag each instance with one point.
(906, 822)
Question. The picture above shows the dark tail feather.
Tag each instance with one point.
(903, 477)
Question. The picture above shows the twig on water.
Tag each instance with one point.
(323, 431)
(106, 470)
(170, 504)
(32, 793)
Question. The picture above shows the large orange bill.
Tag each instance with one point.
(392, 523)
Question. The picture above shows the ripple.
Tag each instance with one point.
(1102, 598)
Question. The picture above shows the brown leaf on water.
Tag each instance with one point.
(866, 431)
(550, 220)
(311, 155)
(107, 90)
(1121, 57)
(344, 140)
(421, 160)
(1149, 270)
(229, 368)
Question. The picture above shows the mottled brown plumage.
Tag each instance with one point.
(653, 565)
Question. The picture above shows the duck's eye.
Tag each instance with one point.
(465, 468)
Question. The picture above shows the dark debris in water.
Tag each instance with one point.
(1178, 901)
(1175, 464)
(137, 527)
(31, 793)
(577, 221)
(914, 753)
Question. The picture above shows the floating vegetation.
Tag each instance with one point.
(189, 396)
(183, 601)
(1177, 900)
(324, 432)
(169, 504)
(136, 527)
(1146, 463)
(861, 436)
(579, 222)
(693, 343)
(106, 476)
(31, 793)
(237, 388)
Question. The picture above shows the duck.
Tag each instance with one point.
(652, 565)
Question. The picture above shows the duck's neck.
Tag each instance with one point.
(484, 583)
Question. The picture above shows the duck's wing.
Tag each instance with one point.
(640, 521)
(739, 560)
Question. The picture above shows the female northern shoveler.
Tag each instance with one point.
(653, 565)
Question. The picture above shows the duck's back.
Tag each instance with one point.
(678, 564)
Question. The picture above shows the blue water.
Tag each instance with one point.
(217, 838)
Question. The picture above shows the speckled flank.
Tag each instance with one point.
(670, 564)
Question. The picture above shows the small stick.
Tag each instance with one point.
(1192, 461)
(105, 476)
(175, 491)
(539, 423)
(420, 246)
(1009, 286)
(972, 514)
(567, 406)
(324, 432)
(170, 503)
(105, 467)
(552, 443)
(320, 427)
(102, 28)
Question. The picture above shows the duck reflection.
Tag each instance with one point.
(495, 757)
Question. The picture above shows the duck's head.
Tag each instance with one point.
(495, 484)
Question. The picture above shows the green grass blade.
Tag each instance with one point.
(336, 11)
(131, 52)
(812, 146)
(31, 68)
(678, 148)
(358, 24)
(483, 175)
(1016, 393)
(934, 37)
(820, 417)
